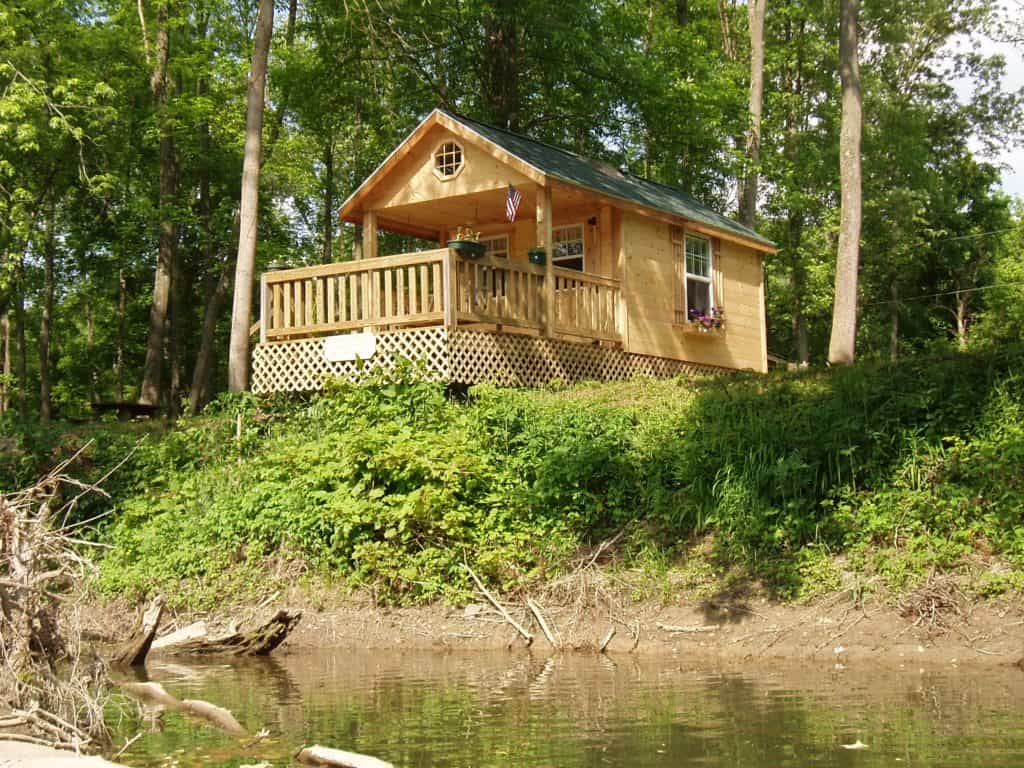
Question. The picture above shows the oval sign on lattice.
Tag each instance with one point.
(349, 347)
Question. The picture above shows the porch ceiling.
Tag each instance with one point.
(426, 218)
(465, 210)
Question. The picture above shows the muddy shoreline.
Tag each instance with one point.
(831, 630)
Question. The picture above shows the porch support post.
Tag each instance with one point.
(264, 308)
(544, 241)
(604, 242)
(370, 235)
(451, 290)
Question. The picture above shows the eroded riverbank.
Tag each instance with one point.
(832, 630)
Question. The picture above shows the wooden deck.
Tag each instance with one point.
(465, 320)
(437, 288)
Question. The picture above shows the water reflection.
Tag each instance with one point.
(425, 709)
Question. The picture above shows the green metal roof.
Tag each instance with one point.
(600, 177)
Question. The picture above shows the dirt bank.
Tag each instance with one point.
(830, 631)
(919, 629)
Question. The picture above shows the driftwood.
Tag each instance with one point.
(317, 755)
(500, 608)
(258, 641)
(46, 676)
(132, 652)
(218, 716)
(692, 630)
(607, 639)
(155, 695)
(537, 614)
(193, 631)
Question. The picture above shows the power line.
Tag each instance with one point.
(976, 235)
(944, 293)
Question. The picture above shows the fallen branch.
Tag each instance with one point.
(607, 639)
(133, 651)
(832, 638)
(693, 629)
(259, 641)
(498, 606)
(155, 694)
(537, 614)
(317, 755)
(213, 714)
(126, 746)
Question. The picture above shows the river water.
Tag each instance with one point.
(433, 710)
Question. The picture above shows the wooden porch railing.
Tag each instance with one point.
(493, 290)
(391, 290)
(433, 287)
(586, 305)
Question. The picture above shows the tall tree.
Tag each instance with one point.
(46, 313)
(241, 313)
(149, 392)
(748, 188)
(842, 344)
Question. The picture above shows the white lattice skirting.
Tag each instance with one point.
(467, 357)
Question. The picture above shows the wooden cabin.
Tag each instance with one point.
(626, 267)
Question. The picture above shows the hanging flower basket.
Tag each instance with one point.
(467, 243)
(471, 249)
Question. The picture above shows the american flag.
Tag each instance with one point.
(512, 203)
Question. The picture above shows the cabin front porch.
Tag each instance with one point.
(468, 321)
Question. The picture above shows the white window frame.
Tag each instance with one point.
(582, 255)
(439, 150)
(708, 280)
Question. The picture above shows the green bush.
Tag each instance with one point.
(392, 486)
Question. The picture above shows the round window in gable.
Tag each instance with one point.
(448, 160)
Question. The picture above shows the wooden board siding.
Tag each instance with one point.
(413, 180)
(648, 286)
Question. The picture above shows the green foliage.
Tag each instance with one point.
(900, 467)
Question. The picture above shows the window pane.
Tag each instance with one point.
(698, 257)
(496, 246)
(698, 297)
(568, 246)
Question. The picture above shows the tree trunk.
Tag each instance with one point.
(19, 335)
(90, 345)
(200, 393)
(502, 64)
(962, 300)
(328, 252)
(842, 343)
(682, 12)
(46, 311)
(241, 312)
(798, 282)
(752, 149)
(149, 393)
(122, 311)
(894, 320)
(5, 352)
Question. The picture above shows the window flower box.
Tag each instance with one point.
(710, 323)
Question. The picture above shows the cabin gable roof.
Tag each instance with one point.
(541, 163)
